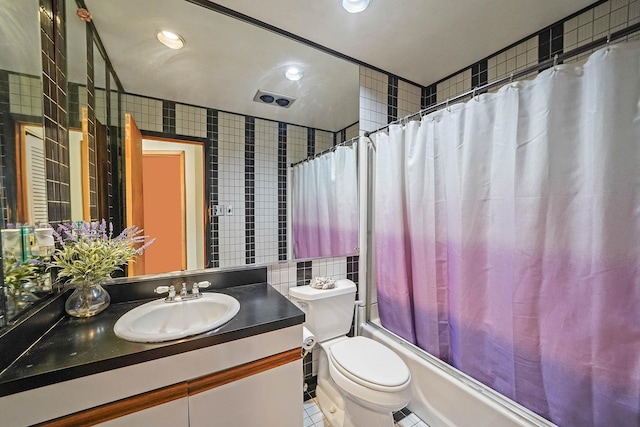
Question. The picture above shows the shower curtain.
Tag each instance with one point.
(325, 204)
(507, 238)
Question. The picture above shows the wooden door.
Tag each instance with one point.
(164, 210)
(134, 188)
(84, 162)
(102, 171)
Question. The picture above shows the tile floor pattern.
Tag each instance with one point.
(313, 417)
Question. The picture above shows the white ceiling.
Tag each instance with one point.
(420, 40)
(226, 61)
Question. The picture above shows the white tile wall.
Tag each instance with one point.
(283, 276)
(353, 131)
(231, 184)
(408, 98)
(598, 22)
(296, 143)
(146, 112)
(335, 268)
(25, 95)
(454, 86)
(83, 100)
(114, 109)
(512, 60)
(191, 121)
(374, 90)
(101, 106)
(266, 191)
(324, 140)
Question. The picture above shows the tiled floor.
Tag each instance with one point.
(313, 417)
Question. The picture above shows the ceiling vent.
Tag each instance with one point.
(272, 98)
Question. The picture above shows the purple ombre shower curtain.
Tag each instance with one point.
(325, 204)
(507, 238)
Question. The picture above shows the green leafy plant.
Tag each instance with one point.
(18, 273)
(89, 253)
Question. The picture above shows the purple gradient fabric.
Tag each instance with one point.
(325, 204)
(507, 239)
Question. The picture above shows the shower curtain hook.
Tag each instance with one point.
(447, 106)
(608, 41)
(473, 96)
(555, 62)
(510, 77)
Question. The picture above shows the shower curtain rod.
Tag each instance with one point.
(340, 144)
(540, 66)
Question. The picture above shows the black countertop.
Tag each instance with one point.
(75, 348)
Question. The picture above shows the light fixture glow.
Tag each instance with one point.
(170, 35)
(170, 39)
(294, 74)
(355, 6)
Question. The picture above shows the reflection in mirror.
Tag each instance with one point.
(20, 88)
(21, 137)
(203, 94)
(325, 204)
(30, 166)
(173, 205)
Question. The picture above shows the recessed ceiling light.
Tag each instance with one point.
(355, 6)
(170, 39)
(294, 74)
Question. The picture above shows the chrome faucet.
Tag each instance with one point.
(184, 293)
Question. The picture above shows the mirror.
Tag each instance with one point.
(22, 150)
(21, 97)
(207, 102)
(222, 66)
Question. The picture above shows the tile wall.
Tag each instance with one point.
(54, 80)
(248, 159)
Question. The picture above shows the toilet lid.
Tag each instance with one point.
(370, 361)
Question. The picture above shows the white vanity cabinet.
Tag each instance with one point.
(270, 398)
(255, 380)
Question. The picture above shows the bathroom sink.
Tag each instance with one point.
(159, 321)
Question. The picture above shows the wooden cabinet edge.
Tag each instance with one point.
(236, 373)
(139, 402)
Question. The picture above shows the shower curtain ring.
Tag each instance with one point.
(473, 96)
(447, 105)
(555, 62)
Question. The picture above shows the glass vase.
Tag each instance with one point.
(17, 300)
(88, 299)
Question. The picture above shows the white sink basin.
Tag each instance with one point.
(158, 321)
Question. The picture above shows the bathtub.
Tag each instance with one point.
(442, 396)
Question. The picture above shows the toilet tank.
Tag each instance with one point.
(328, 312)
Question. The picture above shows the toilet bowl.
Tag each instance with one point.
(360, 381)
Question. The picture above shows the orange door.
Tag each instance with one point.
(164, 211)
(134, 185)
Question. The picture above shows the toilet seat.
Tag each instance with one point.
(370, 364)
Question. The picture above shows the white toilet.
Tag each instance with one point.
(360, 381)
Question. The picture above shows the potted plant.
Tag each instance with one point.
(87, 255)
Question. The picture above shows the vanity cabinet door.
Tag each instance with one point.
(171, 414)
(269, 398)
